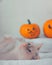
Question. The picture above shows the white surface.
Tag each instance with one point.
(45, 55)
(27, 62)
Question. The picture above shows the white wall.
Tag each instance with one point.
(0, 20)
(16, 12)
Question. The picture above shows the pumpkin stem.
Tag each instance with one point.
(29, 21)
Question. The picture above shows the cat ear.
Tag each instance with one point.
(39, 46)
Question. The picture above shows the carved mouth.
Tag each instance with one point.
(32, 34)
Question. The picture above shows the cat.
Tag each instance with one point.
(9, 50)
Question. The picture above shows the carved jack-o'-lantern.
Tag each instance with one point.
(47, 28)
(30, 31)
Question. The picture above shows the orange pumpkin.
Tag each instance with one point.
(30, 31)
(47, 28)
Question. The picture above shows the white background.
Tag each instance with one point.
(14, 13)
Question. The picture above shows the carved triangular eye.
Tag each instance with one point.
(33, 28)
(28, 29)
(49, 26)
